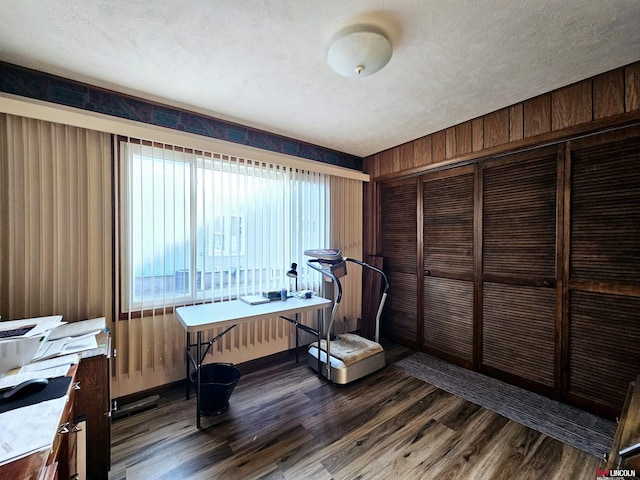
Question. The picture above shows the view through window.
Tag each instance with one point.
(200, 226)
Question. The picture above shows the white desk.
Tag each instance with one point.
(197, 318)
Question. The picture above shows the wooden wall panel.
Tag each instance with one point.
(477, 132)
(438, 146)
(388, 162)
(450, 142)
(448, 317)
(517, 338)
(516, 122)
(405, 152)
(537, 116)
(422, 151)
(578, 104)
(608, 94)
(571, 105)
(604, 342)
(496, 128)
(632, 87)
(605, 213)
(463, 138)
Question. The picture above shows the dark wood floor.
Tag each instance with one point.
(286, 423)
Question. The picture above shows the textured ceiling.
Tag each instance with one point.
(263, 63)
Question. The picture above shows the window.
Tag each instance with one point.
(200, 226)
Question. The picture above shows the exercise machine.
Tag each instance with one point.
(350, 356)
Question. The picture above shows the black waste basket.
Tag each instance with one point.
(217, 381)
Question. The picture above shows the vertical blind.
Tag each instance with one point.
(55, 220)
(200, 226)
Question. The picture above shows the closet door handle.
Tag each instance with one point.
(427, 273)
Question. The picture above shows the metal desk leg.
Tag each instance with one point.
(186, 361)
(199, 368)
(296, 325)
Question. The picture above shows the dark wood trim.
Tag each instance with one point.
(593, 406)
(537, 387)
(630, 131)
(477, 268)
(468, 277)
(451, 172)
(461, 362)
(560, 278)
(586, 130)
(607, 288)
(518, 280)
(420, 262)
(564, 276)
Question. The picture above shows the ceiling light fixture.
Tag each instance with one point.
(359, 53)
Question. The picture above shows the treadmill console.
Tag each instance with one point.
(329, 254)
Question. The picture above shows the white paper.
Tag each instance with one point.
(76, 329)
(29, 429)
(65, 346)
(11, 380)
(15, 352)
(40, 325)
(64, 360)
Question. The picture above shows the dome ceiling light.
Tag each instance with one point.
(359, 53)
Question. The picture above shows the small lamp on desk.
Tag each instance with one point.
(293, 273)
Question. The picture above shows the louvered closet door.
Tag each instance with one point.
(398, 246)
(519, 301)
(448, 233)
(604, 269)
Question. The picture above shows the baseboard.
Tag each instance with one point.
(245, 367)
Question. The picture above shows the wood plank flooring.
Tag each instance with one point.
(284, 422)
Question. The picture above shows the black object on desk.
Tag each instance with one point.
(25, 389)
(55, 388)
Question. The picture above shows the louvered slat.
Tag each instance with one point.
(604, 347)
(605, 213)
(519, 213)
(448, 234)
(448, 320)
(518, 331)
(398, 246)
(399, 320)
(398, 243)
(448, 224)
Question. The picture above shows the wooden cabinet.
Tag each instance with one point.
(603, 268)
(93, 407)
(81, 445)
(525, 266)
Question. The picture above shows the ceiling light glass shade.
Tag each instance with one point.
(359, 54)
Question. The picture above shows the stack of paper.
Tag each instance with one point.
(52, 368)
(71, 338)
(29, 429)
(21, 339)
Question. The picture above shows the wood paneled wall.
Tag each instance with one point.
(582, 106)
(529, 307)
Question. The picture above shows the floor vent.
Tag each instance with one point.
(132, 408)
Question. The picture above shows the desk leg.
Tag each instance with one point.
(199, 367)
(296, 337)
(188, 365)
